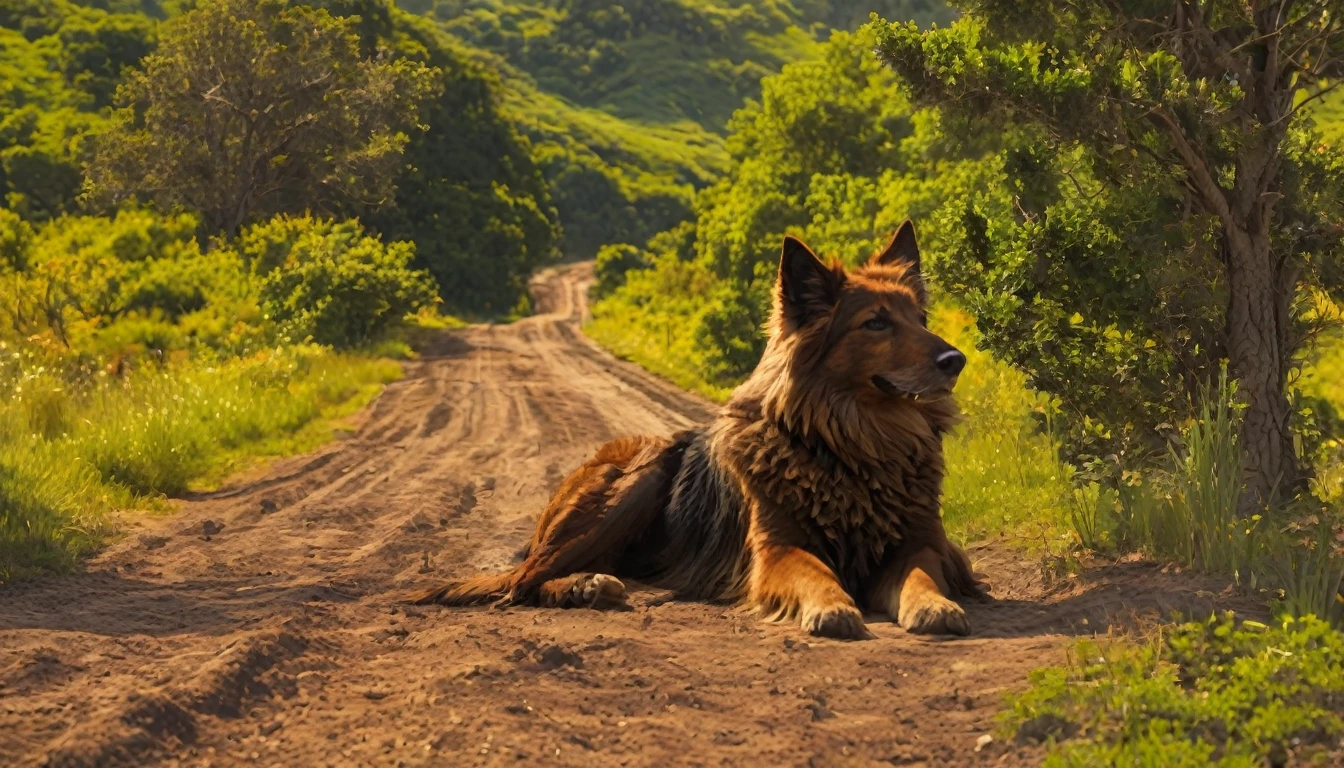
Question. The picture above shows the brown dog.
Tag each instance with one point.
(814, 492)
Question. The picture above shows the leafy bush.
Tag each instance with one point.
(86, 280)
(1204, 693)
(613, 261)
(337, 285)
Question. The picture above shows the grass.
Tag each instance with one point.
(1203, 693)
(72, 455)
(1004, 475)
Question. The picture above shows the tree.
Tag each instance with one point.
(254, 107)
(470, 196)
(1155, 142)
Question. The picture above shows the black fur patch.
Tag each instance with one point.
(696, 548)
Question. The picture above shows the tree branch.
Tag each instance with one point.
(1215, 197)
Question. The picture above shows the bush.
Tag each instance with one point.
(336, 285)
(1206, 693)
(613, 261)
(104, 286)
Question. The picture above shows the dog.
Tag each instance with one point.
(814, 493)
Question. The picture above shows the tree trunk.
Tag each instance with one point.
(1259, 347)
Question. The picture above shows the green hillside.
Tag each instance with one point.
(628, 103)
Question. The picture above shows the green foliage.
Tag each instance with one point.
(654, 60)
(471, 197)
(626, 103)
(1329, 117)
(827, 153)
(1105, 119)
(611, 266)
(76, 447)
(109, 285)
(96, 48)
(1204, 693)
(334, 284)
(58, 64)
(250, 108)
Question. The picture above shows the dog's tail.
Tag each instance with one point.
(477, 591)
(590, 521)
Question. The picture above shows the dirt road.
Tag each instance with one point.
(278, 640)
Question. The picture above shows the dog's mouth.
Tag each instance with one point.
(888, 387)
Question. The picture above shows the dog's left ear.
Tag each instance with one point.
(901, 249)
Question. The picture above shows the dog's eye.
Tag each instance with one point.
(877, 324)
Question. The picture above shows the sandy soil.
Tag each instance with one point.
(277, 639)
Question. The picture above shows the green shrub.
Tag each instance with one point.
(613, 261)
(1204, 693)
(339, 286)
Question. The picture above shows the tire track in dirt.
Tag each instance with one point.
(279, 641)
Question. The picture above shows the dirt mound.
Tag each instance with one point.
(260, 624)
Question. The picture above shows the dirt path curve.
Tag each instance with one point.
(277, 640)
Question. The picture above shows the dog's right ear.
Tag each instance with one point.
(807, 289)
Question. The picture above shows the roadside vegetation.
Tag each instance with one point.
(194, 273)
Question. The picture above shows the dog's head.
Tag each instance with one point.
(862, 334)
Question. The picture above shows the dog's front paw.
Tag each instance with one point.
(934, 615)
(843, 622)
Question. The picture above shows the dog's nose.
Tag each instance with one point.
(950, 362)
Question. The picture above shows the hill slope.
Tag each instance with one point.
(628, 103)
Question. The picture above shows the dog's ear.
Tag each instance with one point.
(902, 249)
(807, 288)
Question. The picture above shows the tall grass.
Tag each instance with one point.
(1190, 513)
(75, 448)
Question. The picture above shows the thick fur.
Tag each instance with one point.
(814, 492)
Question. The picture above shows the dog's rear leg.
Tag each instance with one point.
(591, 518)
(582, 590)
